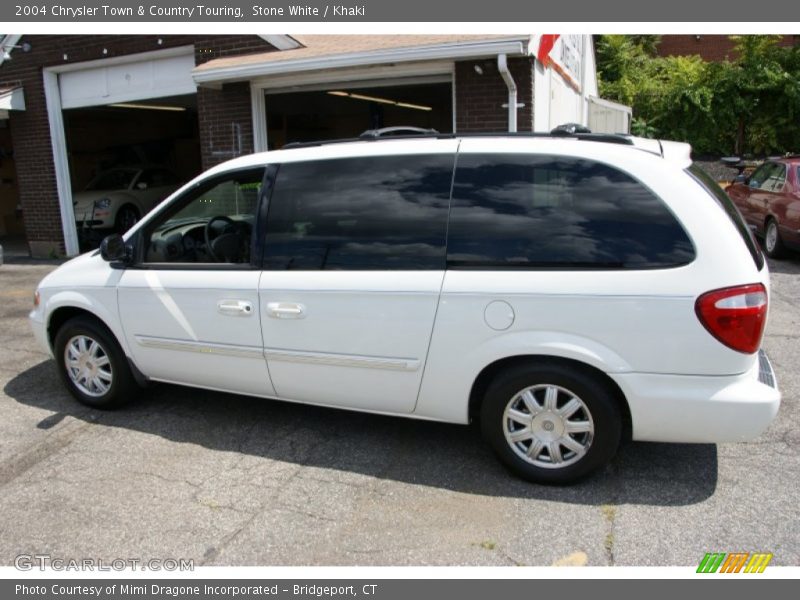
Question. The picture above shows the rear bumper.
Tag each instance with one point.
(702, 409)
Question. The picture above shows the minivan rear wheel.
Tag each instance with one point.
(551, 423)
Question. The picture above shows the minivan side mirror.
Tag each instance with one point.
(113, 249)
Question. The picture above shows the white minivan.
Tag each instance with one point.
(569, 291)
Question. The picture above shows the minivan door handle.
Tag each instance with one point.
(235, 308)
(286, 310)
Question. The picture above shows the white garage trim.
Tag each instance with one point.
(259, 109)
(451, 51)
(112, 82)
(281, 42)
(12, 99)
(52, 92)
(59, 143)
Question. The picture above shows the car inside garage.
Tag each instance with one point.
(124, 158)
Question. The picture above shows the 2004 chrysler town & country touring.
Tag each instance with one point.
(568, 291)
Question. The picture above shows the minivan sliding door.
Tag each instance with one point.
(354, 260)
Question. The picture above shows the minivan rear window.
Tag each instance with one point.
(540, 211)
(718, 194)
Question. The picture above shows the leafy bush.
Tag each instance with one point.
(748, 105)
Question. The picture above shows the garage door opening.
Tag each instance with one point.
(344, 111)
(124, 158)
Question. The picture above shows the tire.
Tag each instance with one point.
(535, 394)
(127, 217)
(773, 244)
(92, 364)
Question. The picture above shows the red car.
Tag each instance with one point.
(769, 200)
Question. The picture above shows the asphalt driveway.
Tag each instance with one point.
(223, 479)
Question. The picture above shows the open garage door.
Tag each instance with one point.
(124, 158)
(345, 110)
(125, 135)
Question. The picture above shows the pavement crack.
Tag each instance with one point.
(165, 478)
(226, 541)
(610, 515)
(306, 513)
(54, 442)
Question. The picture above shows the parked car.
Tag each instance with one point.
(769, 200)
(568, 291)
(118, 198)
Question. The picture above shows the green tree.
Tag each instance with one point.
(750, 104)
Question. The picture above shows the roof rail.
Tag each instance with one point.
(371, 134)
(411, 133)
(570, 129)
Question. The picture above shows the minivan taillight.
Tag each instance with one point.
(735, 315)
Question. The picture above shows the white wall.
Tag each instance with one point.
(556, 99)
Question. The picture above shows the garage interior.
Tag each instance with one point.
(161, 132)
(344, 111)
(11, 224)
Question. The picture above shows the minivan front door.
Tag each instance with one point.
(354, 263)
(189, 308)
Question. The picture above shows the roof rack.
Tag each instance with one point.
(371, 134)
(578, 132)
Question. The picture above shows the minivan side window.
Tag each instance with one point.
(211, 223)
(536, 211)
(382, 212)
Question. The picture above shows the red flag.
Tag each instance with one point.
(546, 43)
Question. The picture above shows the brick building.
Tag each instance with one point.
(72, 106)
(708, 47)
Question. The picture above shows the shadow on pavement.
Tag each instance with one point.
(789, 264)
(451, 457)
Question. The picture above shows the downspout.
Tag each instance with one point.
(502, 66)
(7, 44)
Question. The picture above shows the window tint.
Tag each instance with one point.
(777, 177)
(718, 194)
(551, 212)
(759, 176)
(769, 177)
(360, 213)
(210, 223)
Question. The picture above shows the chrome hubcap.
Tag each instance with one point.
(548, 426)
(88, 366)
(772, 236)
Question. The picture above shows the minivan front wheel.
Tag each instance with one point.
(551, 423)
(92, 364)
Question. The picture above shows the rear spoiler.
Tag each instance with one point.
(679, 153)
